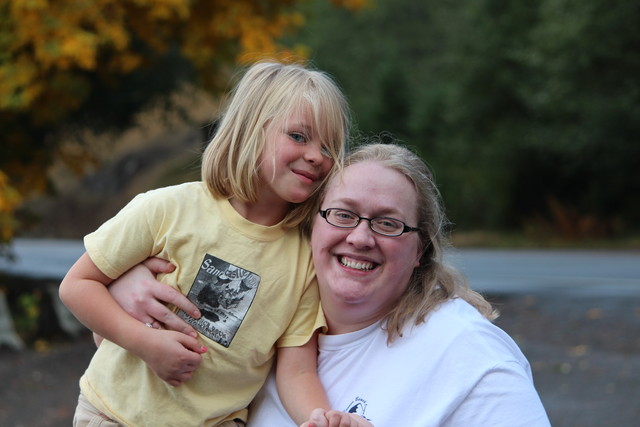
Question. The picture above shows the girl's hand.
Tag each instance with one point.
(143, 297)
(323, 418)
(171, 355)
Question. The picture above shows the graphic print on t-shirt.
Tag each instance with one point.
(358, 407)
(223, 293)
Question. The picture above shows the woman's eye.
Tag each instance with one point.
(388, 224)
(325, 151)
(344, 216)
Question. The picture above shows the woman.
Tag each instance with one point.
(408, 343)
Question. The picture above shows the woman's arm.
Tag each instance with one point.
(84, 291)
(143, 297)
(171, 355)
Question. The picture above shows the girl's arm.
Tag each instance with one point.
(173, 356)
(302, 393)
(297, 379)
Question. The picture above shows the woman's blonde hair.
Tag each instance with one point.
(432, 282)
(267, 95)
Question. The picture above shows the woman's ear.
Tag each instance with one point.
(421, 251)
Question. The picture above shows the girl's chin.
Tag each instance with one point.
(299, 198)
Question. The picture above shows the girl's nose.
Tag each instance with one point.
(313, 154)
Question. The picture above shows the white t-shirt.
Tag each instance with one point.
(456, 369)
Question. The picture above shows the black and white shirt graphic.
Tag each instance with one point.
(223, 293)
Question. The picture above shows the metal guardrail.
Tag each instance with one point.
(36, 270)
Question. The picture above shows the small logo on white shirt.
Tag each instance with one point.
(358, 407)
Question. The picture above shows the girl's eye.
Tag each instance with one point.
(298, 137)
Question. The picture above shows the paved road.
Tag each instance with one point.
(576, 272)
(573, 272)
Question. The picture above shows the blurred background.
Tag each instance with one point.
(528, 112)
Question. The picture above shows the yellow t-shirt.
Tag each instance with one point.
(255, 285)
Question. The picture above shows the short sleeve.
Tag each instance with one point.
(126, 239)
(307, 318)
(504, 396)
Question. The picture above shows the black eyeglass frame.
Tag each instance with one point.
(406, 229)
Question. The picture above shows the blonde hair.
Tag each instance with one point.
(267, 95)
(432, 282)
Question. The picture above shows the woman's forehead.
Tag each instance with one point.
(368, 181)
(367, 173)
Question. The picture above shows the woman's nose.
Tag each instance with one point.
(361, 235)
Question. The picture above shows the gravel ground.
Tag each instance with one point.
(584, 352)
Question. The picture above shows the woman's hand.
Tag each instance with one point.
(143, 297)
(323, 418)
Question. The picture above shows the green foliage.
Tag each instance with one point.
(529, 112)
(26, 314)
(586, 110)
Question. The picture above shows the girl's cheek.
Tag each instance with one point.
(326, 167)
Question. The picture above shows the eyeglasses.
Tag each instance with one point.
(343, 218)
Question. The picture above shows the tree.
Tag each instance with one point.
(584, 99)
(527, 111)
(9, 200)
(72, 63)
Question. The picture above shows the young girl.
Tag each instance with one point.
(239, 256)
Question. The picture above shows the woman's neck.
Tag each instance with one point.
(341, 322)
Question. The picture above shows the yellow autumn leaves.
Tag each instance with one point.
(9, 201)
(51, 52)
(40, 37)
